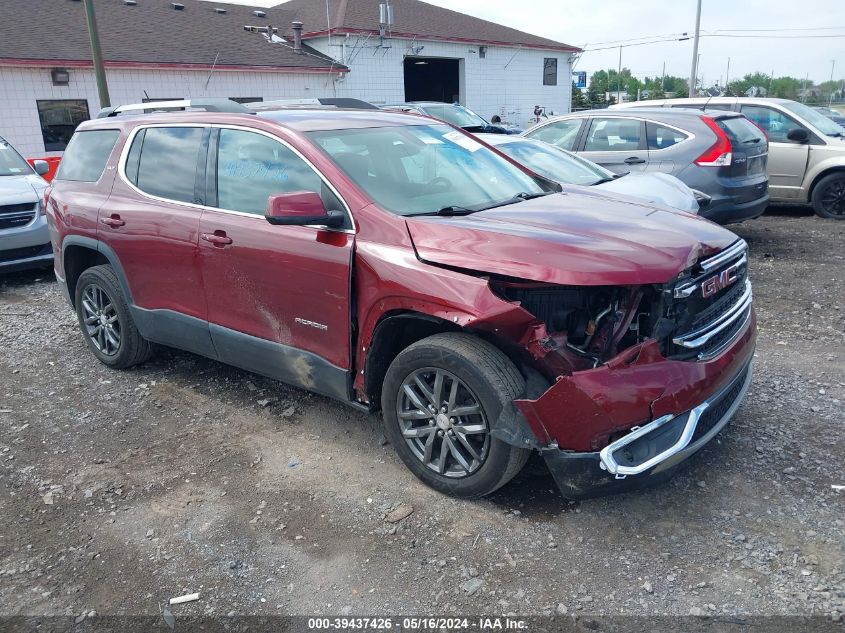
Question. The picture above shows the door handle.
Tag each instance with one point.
(218, 238)
(113, 221)
(633, 160)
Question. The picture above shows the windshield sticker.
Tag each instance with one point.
(463, 140)
(430, 140)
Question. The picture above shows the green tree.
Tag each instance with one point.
(597, 88)
(579, 101)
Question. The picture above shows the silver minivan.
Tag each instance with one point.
(806, 149)
(24, 238)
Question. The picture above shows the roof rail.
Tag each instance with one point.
(335, 102)
(209, 105)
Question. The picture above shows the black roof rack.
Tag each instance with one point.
(209, 105)
(335, 102)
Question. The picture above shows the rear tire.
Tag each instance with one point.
(105, 320)
(829, 197)
(440, 398)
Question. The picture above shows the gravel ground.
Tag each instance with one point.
(119, 490)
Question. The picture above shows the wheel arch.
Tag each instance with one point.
(394, 332)
(823, 174)
(80, 253)
(399, 329)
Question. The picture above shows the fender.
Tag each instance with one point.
(833, 163)
(107, 252)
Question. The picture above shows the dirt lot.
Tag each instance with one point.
(119, 490)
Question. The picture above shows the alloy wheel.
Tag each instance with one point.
(443, 423)
(101, 320)
(833, 198)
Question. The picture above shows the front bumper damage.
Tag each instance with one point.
(631, 422)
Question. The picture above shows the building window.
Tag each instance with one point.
(246, 99)
(59, 118)
(550, 71)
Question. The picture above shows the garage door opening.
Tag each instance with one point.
(432, 79)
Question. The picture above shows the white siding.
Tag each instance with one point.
(21, 87)
(507, 82)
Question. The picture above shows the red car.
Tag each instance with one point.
(394, 262)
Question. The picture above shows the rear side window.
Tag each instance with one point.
(167, 159)
(741, 130)
(662, 136)
(86, 155)
(613, 135)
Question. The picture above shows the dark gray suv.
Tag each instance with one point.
(722, 154)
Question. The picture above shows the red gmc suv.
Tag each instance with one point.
(395, 262)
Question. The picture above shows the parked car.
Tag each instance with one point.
(806, 149)
(394, 262)
(568, 169)
(458, 115)
(834, 115)
(720, 153)
(24, 239)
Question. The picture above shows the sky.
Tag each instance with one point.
(591, 23)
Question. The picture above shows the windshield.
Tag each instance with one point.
(11, 163)
(455, 114)
(815, 118)
(554, 163)
(417, 169)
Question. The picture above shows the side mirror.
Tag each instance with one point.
(301, 208)
(798, 135)
(41, 167)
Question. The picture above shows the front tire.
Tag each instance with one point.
(829, 197)
(440, 399)
(105, 320)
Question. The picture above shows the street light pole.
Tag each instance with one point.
(97, 55)
(619, 76)
(694, 71)
(832, 65)
(727, 76)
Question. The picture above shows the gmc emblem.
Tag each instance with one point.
(718, 282)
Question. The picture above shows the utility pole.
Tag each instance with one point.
(804, 88)
(97, 54)
(694, 71)
(727, 76)
(663, 81)
(619, 77)
(832, 65)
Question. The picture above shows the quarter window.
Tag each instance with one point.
(661, 136)
(59, 119)
(251, 167)
(550, 71)
(613, 135)
(86, 155)
(167, 159)
(775, 124)
(561, 134)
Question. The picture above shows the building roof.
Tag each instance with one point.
(412, 18)
(152, 33)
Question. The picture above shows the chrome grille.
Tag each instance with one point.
(713, 307)
(13, 216)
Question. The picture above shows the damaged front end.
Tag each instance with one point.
(640, 377)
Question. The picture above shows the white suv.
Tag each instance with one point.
(806, 149)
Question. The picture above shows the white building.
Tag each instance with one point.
(160, 49)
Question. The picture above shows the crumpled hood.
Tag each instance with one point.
(577, 239)
(21, 189)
